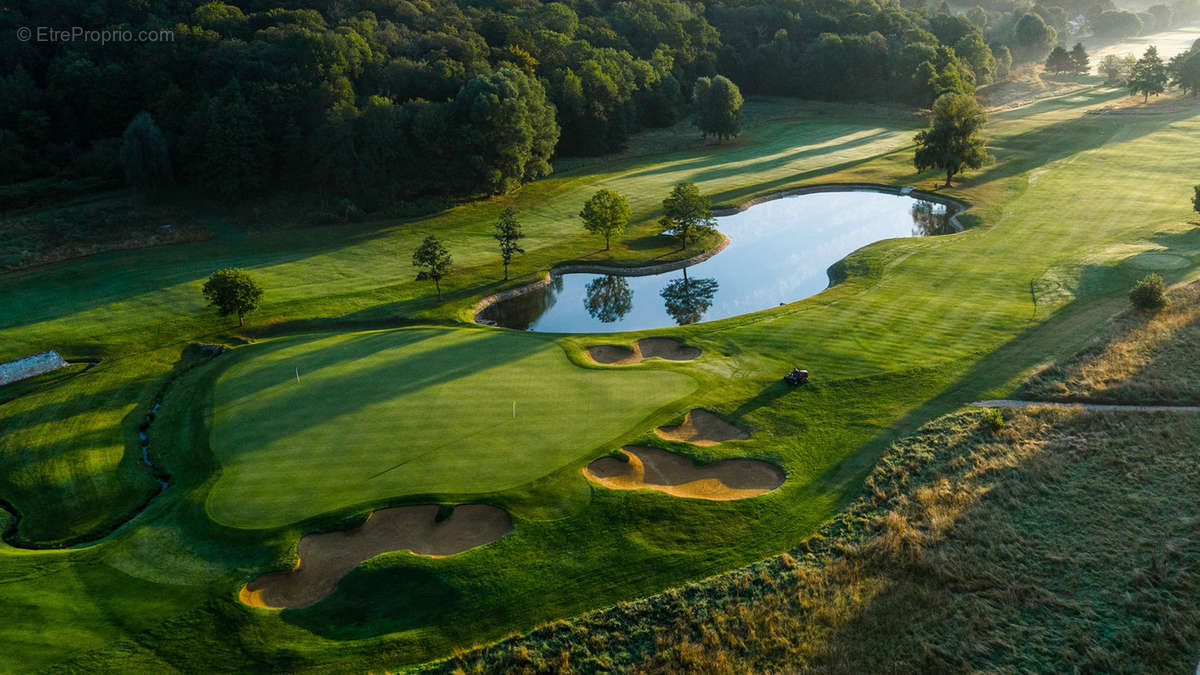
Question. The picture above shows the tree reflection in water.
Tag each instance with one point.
(687, 300)
(930, 219)
(608, 298)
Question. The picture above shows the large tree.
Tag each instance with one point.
(1185, 72)
(953, 140)
(503, 129)
(1032, 39)
(233, 146)
(1149, 75)
(144, 155)
(718, 107)
(1059, 61)
(232, 291)
(686, 213)
(1080, 59)
(432, 261)
(509, 234)
(605, 213)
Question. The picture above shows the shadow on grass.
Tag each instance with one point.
(378, 600)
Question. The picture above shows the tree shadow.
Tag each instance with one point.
(378, 600)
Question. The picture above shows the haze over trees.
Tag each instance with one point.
(686, 214)
(145, 156)
(432, 261)
(953, 140)
(605, 213)
(232, 292)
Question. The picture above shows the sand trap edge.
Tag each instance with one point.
(676, 475)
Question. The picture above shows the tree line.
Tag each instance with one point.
(369, 103)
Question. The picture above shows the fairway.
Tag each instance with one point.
(388, 414)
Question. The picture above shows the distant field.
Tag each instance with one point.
(416, 411)
(1168, 43)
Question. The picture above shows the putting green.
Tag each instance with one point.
(415, 411)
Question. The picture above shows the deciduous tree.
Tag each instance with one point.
(605, 213)
(686, 214)
(144, 155)
(433, 262)
(953, 140)
(509, 234)
(232, 291)
(718, 107)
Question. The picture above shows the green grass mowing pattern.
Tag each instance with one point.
(389, 414)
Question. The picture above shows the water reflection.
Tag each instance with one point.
(686, 300)
(780, 252)
(930, 219)
(608, 298)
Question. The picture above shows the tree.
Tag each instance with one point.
(718, 107)
(687, 212)
(505, 131)
(608, 298)
(686, 300)
(1185, 72)
(433, 261)
(1196, 198)
(1080, 59)
(605, 213)
(1149, 75)
(1059, 61)
(1116, 23)
(953, 141)
(1150, 293)
(1032, 39)
(232, 291)
(508, 233)
(144, 155)
(1116, 68)
(233, 150)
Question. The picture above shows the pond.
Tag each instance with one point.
(779, 252)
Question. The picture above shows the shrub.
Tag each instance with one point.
(993, 419)
(1150, 293)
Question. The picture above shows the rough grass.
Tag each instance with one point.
(1141, 358)
(1066, 542)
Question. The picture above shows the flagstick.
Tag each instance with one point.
(514, 410)
(297, 374)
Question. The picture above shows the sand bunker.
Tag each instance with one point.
(326, 558)
(701, 427)
(646, 348)
(676, 475)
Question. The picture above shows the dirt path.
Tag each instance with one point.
(1104, 407)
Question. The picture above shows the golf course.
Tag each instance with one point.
(354, 392)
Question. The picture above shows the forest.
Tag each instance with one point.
(370, 103)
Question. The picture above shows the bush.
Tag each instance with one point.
(1150, 293)
(993, 419)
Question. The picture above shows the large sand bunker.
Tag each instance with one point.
(676, 475)
(701, 427)
(646, 348)
(326, 558)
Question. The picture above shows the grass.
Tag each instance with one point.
(1054, 541)
(918, 327)
(1142, 358)
(389, 414)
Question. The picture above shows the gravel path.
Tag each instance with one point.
(1012, 403)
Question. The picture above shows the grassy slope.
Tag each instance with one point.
(414, 411)
(1064, 541)
(921, 326)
